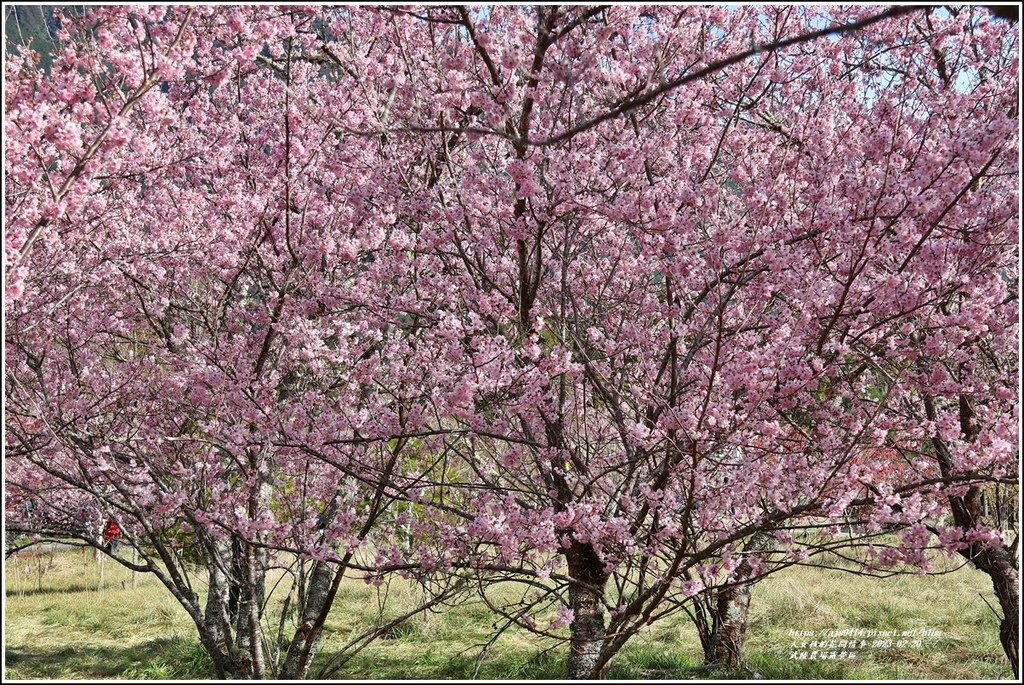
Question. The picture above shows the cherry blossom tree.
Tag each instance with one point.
(194, 303)
(692, 301)
(629, 305)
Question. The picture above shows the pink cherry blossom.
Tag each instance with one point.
(587, 298)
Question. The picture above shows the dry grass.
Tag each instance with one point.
(60, 625)
(948, 614)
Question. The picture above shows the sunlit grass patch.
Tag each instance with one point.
(951, 633)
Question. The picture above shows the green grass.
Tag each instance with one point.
(59, 624)
(818, 600)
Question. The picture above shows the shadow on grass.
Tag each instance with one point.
(379, 664)
(64, 589)
(637, 664)
(161, 658)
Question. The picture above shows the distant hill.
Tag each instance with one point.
(33, 25)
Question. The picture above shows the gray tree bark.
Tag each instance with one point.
(307, 636)
(587, 630)
(217, 631)
(1001, 566)
(724, 645)
(999, 563)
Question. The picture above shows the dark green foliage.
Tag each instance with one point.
(34, 26)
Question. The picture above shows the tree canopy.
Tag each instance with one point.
(580, 297)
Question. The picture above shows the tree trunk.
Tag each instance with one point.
(215, 635)
(215, 632)
(249, 622)
(587, 630)
(226, 629)
(305, 642)
(724, 648)
(1001, 566)
(1000, 563)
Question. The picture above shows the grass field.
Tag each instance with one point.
(60, 624)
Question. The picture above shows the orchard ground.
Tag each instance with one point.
(60, 623)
